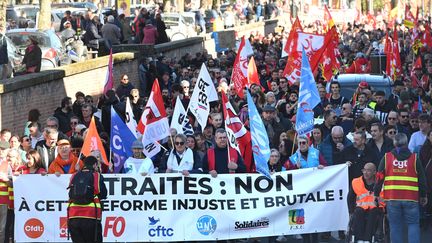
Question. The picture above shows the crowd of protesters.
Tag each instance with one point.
(357, 130)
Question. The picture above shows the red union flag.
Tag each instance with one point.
(291, 44)
(154, 123)
(426, 38)
(329, 23)
(310, 42)
(239, 137)
(239, 75)
(393, 65)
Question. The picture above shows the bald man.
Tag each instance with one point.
(362, 205)
(332, 146)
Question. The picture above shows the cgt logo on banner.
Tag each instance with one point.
(206, 225)
(63, 227)
(158, 230)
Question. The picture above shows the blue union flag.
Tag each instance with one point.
(308, 98)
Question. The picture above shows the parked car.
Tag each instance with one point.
(81, 5)
(15, 58)
(20, 13)
(177, 26)
(349, 83)
(53, 52)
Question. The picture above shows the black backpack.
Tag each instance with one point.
(81, 189)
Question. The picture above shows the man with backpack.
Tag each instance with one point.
(86, 189)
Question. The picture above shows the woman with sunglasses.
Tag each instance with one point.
(274, 162)
(182, 159)
(306, 157)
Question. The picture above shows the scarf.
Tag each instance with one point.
(186, 161)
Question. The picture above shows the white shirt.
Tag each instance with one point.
(138, 166)
(417, 140)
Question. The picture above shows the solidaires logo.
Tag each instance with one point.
(206, 225)
(252, 224)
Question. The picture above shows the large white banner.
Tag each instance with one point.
(169, 207)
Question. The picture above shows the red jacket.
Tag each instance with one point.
(150, 35)
(360, 65)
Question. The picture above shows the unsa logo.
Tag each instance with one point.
(206, 225)
(400, 164)
(33, 228)
(158, 230)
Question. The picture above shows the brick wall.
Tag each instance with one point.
(45, 90)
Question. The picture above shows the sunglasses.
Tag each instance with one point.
(179, 143)
(26, 140)
(74, 123)
(405, 116)
(302, 143)
(391, 132)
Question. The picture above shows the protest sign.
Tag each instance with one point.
(169, 207)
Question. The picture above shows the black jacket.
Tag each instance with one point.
(358, 158)
(64, 119)
(33, 57)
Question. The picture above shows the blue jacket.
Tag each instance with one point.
(312, 158)
(328, 149)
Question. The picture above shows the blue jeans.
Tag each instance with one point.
(402, 213)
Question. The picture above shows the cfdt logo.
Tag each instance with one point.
(206, 225)
(33, 228)
(296, 218)
(157, 230)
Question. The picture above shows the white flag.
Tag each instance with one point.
(180, 120)
(204, 92)
(153, 124)
(130, 118)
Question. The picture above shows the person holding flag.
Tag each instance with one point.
(228, 159)
(138, 163)
(306, 157)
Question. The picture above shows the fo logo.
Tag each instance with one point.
(206, 225)
(33, 228)
(296, 217)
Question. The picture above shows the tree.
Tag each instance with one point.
(44, 21)
(3, 5)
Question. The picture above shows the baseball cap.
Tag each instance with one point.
(363, 84)
(63, 142)
(269, 108)
(137, 144)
